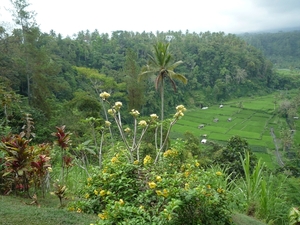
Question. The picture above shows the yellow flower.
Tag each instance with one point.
(89, 179)
(208, 186)
(178, 115)
(187, 173)
(134, 113)
(121, 202)
(102, 192)
(147, 159)
(219, 173)
(87, 195)
(152, 185)
(220, 190)
(79, 210)
(165, 193)
(167, 153)
(114, 159)
(170, 153)
(49, 169)
(158, 178)
(102, 216)
(118, 105)
(158, 192)
(96, 192)
(186, 186)
(153, 116)
(107, 123)
(143, 123)
(180, 108)
(127, 130)
(197, 164)
(136, 162)
(104, 95)
(111, 111)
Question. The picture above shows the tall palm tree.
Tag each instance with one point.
(160, 65)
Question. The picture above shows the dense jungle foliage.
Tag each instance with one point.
(55, 79)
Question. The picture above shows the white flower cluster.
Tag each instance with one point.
(180, 109)
(134, 113)
(104, 95)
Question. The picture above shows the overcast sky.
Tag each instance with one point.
(231, 16)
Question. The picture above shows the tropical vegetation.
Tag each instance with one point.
(90, 122)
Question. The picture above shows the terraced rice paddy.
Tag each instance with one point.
(253, 121)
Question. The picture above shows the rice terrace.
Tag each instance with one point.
(251, 118)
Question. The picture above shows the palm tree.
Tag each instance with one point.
(160, 65)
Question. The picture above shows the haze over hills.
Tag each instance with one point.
(284, 29)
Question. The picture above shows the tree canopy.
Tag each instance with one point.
(48, 71)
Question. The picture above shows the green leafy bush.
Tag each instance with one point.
(145, 193)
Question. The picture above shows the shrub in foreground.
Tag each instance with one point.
(144, 193)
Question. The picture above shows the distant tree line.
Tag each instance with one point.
(58, 80)
(282, 48)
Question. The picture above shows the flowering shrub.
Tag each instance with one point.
(133, 138)
(135, 188)
(145, 193)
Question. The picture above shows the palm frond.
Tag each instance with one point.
(161, 54)
(172, 83)
(174, 65)
(152, 61)
(167, 60)
(177, 76)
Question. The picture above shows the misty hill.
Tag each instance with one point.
(282, 48)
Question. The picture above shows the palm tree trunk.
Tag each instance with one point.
(162, 113)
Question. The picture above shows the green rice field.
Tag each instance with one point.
(253, 121)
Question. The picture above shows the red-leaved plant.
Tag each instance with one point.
(17, 161)
(63, 140)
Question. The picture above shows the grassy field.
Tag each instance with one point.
(16, 211)
(251, 118)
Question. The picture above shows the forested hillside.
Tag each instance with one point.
(282, 48)
(58, 80)
(93, 120)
